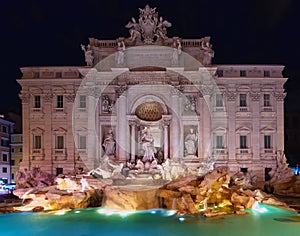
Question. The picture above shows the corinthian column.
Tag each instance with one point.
(91, 122)
(166, 124)
(206, 92)
(175, 133)
(121, 136)
(280, 120)
(132, 124)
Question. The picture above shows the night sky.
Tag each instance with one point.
(49, 33)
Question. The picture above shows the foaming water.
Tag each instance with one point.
(101, 221)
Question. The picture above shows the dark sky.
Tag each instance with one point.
(45, 33)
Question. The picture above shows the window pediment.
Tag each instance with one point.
(243, 130)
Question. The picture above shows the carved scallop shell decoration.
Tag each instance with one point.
(149, 111)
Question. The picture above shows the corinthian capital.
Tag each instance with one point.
(206, 90)
(231, 96)
(47, 98)
(255, 96)
(24, 97)
(279, 96)
(176, 91)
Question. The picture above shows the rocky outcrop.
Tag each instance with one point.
(36, 178)
(67, 194)
(211, 195)
(131, 197)
(287, 187)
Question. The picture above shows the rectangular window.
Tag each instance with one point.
(266, 73)
(59, 142)
(36, 75)
(243, 73)
(4, 142)
(59, 171)
(12, 138)
(82, 101)
(267, 141)
(82, 142)
(4, 157)
(219, 73)
(12, 150)
(219, 141)
(37, 142)
(243, 100)
(4, 129)
(219, 100)
(4, 170)
(243, 142)
(267, 102)
(60, 101)
(21, 149)
(12, 162)
(58, 74)
(12, 176)
(37, 101)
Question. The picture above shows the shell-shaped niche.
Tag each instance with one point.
(149, 111)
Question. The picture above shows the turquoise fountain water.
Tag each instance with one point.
(261, 221)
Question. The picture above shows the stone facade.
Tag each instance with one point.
(196, 112)
(6, 129)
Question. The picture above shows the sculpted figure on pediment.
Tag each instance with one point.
(134, 30)
(149, 29)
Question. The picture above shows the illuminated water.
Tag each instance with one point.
(97, 221)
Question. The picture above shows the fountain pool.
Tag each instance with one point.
(263, 220)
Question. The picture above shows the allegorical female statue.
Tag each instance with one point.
(190, 143)
(109, 143)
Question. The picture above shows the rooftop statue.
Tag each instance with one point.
(149, 29)
(208, 52)
(88, 53)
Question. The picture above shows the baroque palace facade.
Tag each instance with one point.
(150, 85)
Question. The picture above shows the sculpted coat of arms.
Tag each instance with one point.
(149, 29)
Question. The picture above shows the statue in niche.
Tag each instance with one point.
(121, 53)
(106, 104)
(88, 53)
(190, 143)
(208, 53)
(147, 141)
(109, 143)
(134, 29)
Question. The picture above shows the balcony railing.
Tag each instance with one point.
(267, 109)
(243, 151)
(219, 151)
(268, 150)
(60, 151)
(37, 151)
(243, 109)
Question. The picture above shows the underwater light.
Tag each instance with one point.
(181, 219)
(109, 212)
(60, 212)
